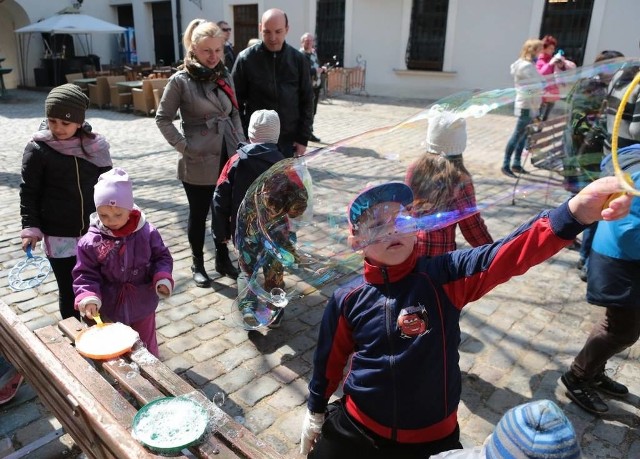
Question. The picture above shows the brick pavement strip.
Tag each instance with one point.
(516, 341)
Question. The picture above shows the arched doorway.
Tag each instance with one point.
(12, 16)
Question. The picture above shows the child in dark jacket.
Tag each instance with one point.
(60, 166)
(398, 325)
(123, 265)
(242, 170)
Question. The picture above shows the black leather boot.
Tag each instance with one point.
(224, 266)
(200, 276)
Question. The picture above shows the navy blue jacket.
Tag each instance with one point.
(241, 170)
(400, 327)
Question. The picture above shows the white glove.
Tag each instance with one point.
(311, 428)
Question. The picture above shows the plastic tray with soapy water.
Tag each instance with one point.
(107, 341)
(170, 424)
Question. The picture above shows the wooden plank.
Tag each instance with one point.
(85, 373)
(89, 424)
(235, 436)
(145, 391)
(132, 381)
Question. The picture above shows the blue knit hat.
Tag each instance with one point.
(535, 430)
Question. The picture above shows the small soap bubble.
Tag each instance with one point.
(218, 398)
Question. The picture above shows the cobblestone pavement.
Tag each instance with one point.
(516, 341)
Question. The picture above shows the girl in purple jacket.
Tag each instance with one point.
(123, 266)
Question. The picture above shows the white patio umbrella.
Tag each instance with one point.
(64, 23)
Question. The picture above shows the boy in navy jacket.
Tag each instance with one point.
(398, 325)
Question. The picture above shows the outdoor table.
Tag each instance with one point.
(82, 392)
(130, 84)
(84, 81)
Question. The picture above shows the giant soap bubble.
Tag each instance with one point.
(292, 228)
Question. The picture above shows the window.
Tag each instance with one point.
(245, 23)
(568, 21)
(425, 49)
(330, 31)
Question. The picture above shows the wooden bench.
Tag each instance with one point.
(81, 394)
(545, 147)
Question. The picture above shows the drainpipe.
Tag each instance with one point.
(179, 25)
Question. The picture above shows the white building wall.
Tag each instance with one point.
(483, 36)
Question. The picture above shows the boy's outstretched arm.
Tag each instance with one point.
(595, 201)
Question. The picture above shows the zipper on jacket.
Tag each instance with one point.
(81, 197)
(275, 81)
(389, 330)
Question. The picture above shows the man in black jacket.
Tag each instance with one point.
(229, 54)
(275, 76)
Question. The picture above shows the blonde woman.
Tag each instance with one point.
(528, 84)
(211, 129)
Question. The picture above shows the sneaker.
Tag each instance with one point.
(506, 171)
(277, 321)
(313, 138)
(9, 390)
(581, 392)
(605, 384)
(575, 246)
(580, 264)
(519, 170)
(249, 318)
(248, 308)
(583, 274)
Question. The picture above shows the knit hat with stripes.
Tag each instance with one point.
(264, 127)
(535, 430)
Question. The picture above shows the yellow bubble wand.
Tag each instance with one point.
(625, 180)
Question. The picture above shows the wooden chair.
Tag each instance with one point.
(71, 77)
(157, 96)
(143, 99)
(121, 97)
(100, 93)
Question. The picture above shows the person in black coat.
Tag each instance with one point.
(275, 76)
(229, 53)
(60, 165)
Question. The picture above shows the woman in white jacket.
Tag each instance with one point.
(528, 85)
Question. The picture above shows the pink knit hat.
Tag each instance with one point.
(114, 189)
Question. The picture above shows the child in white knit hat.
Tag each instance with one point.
(123, 265)
(238, 175)
(440, 182)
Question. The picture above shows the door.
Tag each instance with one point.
(245, 24)
(163, 33)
